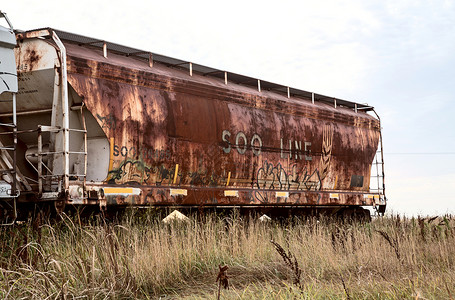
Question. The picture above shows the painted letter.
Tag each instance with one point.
(256, 149)
(223, 137)
(245, 142)
(290, 149)
(308, 151)
(298, 148)
(124, 153)
(116, 150)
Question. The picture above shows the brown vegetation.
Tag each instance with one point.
(140, 257)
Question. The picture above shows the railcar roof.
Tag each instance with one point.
(204, 70)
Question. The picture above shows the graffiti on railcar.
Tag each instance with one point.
(108, 121)
(270, 175)
(327, 138)
(139, 172)
(129, 171)
(275, 177)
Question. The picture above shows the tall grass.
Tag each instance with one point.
(140, 257)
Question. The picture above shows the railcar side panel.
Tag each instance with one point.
(169, 130)
(112, 129)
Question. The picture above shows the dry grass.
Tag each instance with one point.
(140, 257)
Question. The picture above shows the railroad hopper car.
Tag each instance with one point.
(99, 124)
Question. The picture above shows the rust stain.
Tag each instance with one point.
(177, 133)
(178, 137)
(168, 130)
(31, 58)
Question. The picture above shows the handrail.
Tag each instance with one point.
(65, 106)
(381, 162)
(3, 15)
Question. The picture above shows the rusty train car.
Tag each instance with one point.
(98, 124)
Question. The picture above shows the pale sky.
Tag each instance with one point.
(398, 56)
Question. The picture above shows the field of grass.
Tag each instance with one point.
(139, 257)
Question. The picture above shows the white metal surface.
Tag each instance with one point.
(8, 74)
(97, 159)
(65, 108)
(5, 189)
(9, 83)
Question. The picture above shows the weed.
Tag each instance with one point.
(222, 279)
(291, 261)
(140, 257)
(393, 242)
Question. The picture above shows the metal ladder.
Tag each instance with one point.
(45, 175)
(48, 180)
(378, 168)
(8, 167)
(377, 172)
